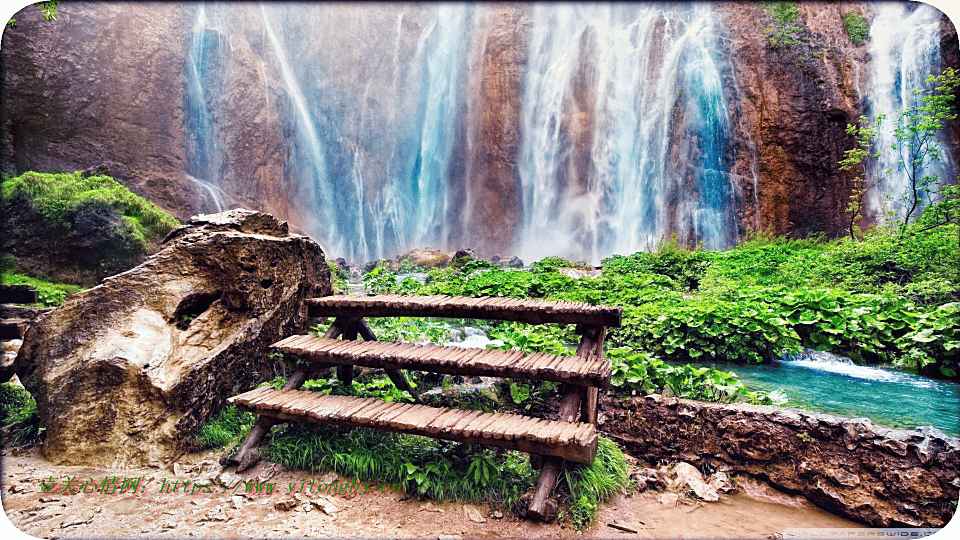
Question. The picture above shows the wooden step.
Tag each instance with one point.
(17, 294)
(505, 309)
(13, 328)
(592, 370)
(568, 440)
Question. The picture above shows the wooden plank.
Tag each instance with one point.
(531, 311)
(454, 361)
(18, 294)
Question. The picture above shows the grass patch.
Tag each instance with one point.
(19, 416)
(60, 196)
(49, 294)
(593, 484)
(229, 425)
(426, 467)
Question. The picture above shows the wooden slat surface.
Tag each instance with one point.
(506, 309)
(591, 370)
(567, 440)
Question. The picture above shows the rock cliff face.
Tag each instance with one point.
(347, 128)
(101, 84)
(793, 105)
(496, 87)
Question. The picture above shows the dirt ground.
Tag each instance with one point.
(218, 511)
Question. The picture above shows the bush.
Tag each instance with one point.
(856, 26)
(19, 415)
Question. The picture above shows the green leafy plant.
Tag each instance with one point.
(855, 160)
(856, 26)
(380, 280)
(19, 416)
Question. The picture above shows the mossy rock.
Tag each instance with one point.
(77, 228)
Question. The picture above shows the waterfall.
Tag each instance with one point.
(317, 187)
(904, 50)
(441, 51)
(624, 131)
(204, 163)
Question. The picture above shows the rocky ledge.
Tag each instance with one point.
(875, 475)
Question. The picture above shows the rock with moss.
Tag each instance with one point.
(124, 372)
(79, 227)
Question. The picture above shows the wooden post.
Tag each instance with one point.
(575, 404)
(345, 371)
(248, 455)
(397, 376)
(552, 465)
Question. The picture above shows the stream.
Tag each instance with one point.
(824, 382)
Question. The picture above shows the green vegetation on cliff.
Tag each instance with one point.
(61, 197)
(856, 26)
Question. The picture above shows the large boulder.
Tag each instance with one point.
(125, 373)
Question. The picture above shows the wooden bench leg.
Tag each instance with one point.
(345, 371)
(247, 455)
(552, 466)
(588, 407)
(397, 376)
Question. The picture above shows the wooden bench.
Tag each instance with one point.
(573, 437)
(13, 328)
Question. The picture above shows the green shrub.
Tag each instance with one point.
(856, 26)
(58, 197)
(19, 415)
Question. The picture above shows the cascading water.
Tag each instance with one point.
(204, 165)
(338, 139)
(904, 50)
(624, 131)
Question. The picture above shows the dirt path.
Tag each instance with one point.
(755, 511)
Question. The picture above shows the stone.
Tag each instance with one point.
(128, 370)
(286, 504)
(426, 257)
(473, 514)
(721, 483)
(688, 477)
(325, 505)
(464, 255)
(798, 451)
(648, 478)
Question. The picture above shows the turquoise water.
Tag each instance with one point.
(832, 384)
